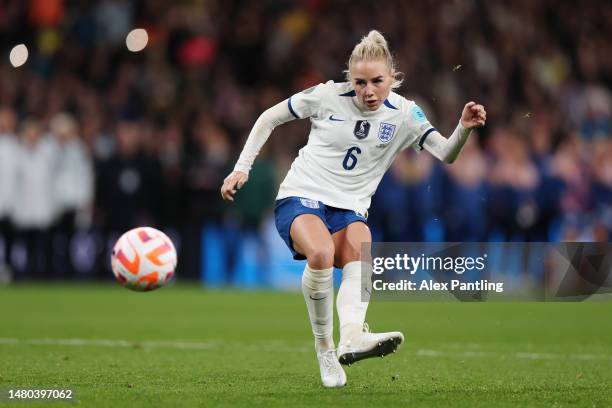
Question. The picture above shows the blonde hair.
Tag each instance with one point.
(374, 47)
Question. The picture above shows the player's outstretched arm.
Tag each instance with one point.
(447, 150)
(265, 124)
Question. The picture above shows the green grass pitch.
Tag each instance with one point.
(184, 346)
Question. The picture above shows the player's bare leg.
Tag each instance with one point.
(312, 239)
(356, 342)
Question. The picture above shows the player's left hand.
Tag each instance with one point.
(473, 115)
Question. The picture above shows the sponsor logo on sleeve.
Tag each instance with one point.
(417, 114)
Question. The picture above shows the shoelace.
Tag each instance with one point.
(328, 359)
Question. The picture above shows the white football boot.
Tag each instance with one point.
(365, 345)
(332, 374)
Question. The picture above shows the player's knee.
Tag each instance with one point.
(321, 257)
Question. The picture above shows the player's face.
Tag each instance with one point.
(372, 82)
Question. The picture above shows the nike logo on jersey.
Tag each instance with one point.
(331, 117)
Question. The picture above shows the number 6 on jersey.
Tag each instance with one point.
(350, 160)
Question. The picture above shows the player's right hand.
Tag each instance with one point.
(233, 183)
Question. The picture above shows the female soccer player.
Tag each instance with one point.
(358, 127)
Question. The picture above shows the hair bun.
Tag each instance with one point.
(376, 37)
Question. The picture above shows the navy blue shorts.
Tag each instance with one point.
(335, 219)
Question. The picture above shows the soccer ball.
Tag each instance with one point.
(143, 259)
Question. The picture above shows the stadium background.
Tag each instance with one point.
(95, 139)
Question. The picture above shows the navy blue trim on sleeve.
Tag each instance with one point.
(291, 109)
(422, 141)
(349, 93)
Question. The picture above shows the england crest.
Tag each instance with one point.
(362, 128)
(386, 131)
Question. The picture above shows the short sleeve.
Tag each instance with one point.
(419, 128)
(306, 103)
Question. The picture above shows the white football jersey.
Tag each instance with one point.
(349, 150)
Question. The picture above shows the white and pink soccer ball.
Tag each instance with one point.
(143, 259)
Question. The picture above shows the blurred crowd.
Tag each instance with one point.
(95, 139)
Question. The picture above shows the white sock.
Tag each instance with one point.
(318, 290)
(352, 302)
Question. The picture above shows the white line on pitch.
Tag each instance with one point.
(518, 355)
(279, 346)
(150, 344)
(109, 343)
